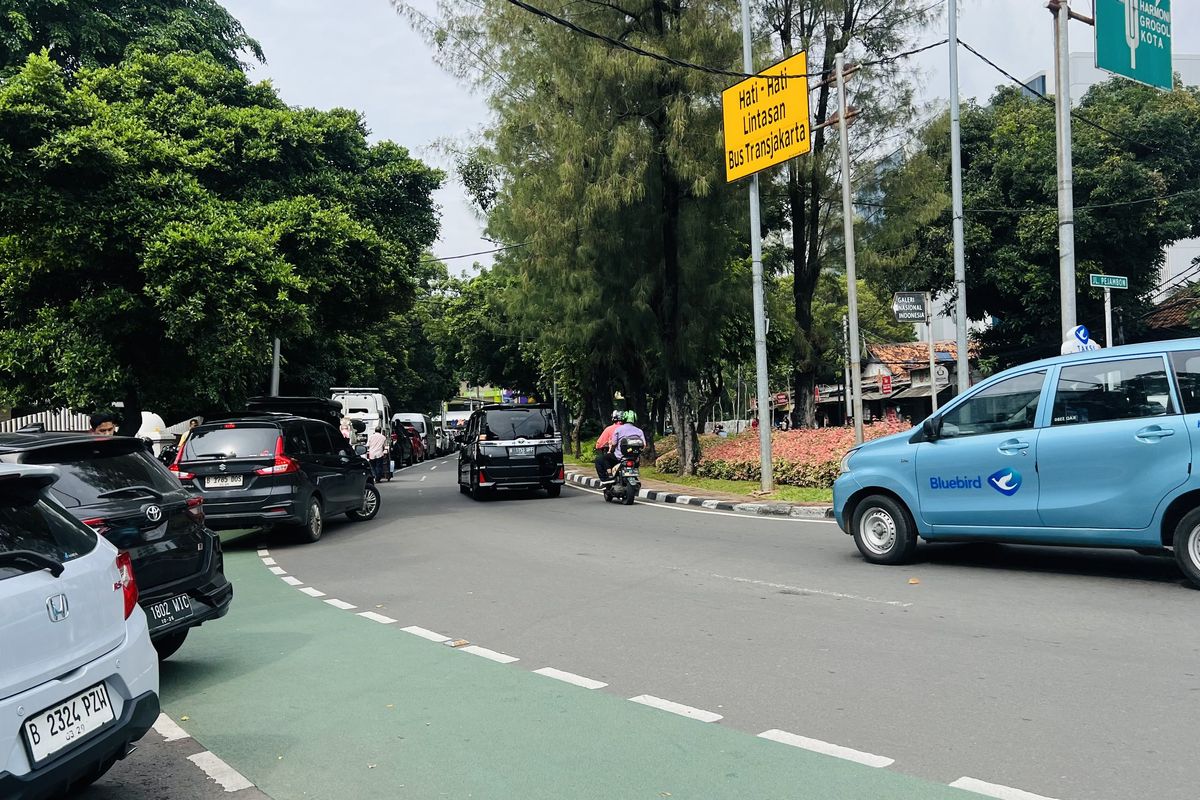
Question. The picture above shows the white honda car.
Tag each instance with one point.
(78, 675)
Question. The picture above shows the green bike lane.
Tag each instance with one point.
(310, 701)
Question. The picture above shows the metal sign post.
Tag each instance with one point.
(932, 356)
(1066, 191)
(1108, 283)
(848, 232)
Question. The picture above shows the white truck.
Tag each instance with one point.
(367, 405)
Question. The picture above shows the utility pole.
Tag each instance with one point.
(1066, 183)
(275, 370)
(767, 479)
(932, 358)
(848, 232)
(960, 261)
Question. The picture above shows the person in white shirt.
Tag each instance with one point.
(377, 453)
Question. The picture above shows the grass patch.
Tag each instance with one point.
(787, 494)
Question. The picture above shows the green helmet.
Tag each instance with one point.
(629, 417)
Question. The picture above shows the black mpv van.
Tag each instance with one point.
(276, 469)
(115, 485)
(510, 447)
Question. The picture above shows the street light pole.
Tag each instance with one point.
(960, 261)
(848, 232)
(766, 478)
(1066, 189)
(275, 370)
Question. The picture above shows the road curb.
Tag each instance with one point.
(758, 509)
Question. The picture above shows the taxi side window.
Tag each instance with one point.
(1187, 374)
(1111, 390)
(1010, 405)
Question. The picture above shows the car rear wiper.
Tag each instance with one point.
(157, 495)
(32, 558)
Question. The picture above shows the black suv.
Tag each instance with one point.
(276, 469)
(116, 486)
(510, 447)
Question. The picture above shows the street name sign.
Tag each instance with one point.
(1109, 281)
(1133, 39)
(909, 306)
(765, 118)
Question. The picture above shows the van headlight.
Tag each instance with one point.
(845, 467)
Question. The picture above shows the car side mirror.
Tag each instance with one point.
(360, 449)
(932, 428)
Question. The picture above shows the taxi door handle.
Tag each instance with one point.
(1154, 433)
(1013, 446)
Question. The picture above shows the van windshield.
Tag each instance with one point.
(517, 423)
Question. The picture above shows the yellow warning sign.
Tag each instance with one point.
(766, 118)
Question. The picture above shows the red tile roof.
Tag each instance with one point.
(1175, 312)
(901, 357)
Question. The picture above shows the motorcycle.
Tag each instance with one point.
(626, 478)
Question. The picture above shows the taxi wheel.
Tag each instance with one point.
(1187, 546)
(883, 531)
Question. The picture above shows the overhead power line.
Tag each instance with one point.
(437, 259)
(611, 42)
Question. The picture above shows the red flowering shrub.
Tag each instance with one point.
(801, 457)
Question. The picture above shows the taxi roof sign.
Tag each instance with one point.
(766, 118)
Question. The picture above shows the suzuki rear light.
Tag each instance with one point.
(174, 467)
(283, 464)
(126, 583)
(195, 509)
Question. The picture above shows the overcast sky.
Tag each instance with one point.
(359, 54)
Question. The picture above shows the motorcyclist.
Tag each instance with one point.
(605, 460)
(627, 430)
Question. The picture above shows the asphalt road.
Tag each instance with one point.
(1064, 673)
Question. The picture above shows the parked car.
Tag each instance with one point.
(418, 443)
(402, 448)
(78, 674)
(510, 447)
(276, 469)
(424, 426)
(1092, 449)
(115, 485)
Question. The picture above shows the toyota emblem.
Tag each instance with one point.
(153, 513)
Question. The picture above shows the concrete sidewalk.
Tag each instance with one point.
(659, 492)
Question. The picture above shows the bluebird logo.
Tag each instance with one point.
(1006, 482)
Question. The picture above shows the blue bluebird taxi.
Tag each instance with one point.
(1090, 449)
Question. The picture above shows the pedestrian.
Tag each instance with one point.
(377, 452)
(193, 423)
(347, 430)
(754, 423)
(103, 424)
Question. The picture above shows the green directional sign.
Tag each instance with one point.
(1110, 281)
(1133, 39)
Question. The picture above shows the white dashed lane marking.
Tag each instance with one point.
(425, 634)
(570, 677)
(676, 708)
(167, 729)
(996, 790)
(277, 570)
(290, 581)
(263, 552)
(311, 592)
(342, 604)
(229, 778)
(835, 750)
(423, 477)
(371, 615)
(270, 562)
(491, 654)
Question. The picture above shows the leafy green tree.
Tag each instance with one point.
(163, 219)
(92, 33)
(1135, 193)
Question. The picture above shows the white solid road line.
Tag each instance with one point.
(676, 708)
(229, 778)
(996, 790)
(311, 592)
(693, 509)
(821, 592)
(342, 604)
(425, 634)
(371, 615)
(270, 562)
(570, 677)
(167, 729)
(278, 571)
(291, 581)
(817, 746)
(491, 654)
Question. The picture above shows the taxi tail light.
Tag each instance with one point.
(283, 465)
(195, 509)
(126, 582)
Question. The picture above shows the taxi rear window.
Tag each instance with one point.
(1186, 364)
